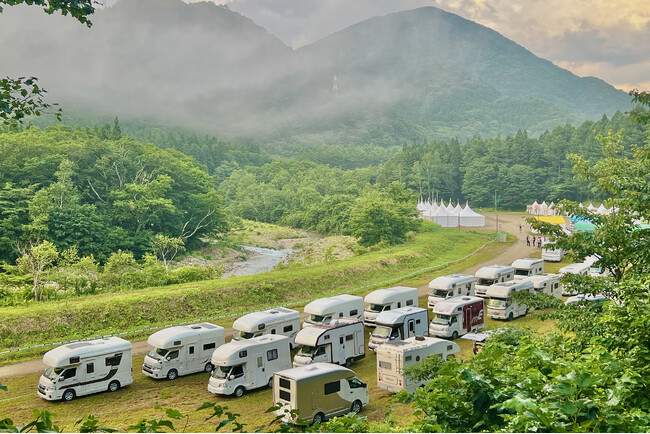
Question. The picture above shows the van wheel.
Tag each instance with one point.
(113, 386)
(270, 383)
(510, 317)
(172, 374)
(454, 335)
(319, 418)
(348, 362)
(356, 407)
(68, 395)
(209, 367)
(239, 392)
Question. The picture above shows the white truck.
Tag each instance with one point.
(457, 316)
(82, 368)
(527, 267)
(182, 350)
(401, 323)
(578, 268)
(387, 299)
(326, 309)
(453, 285)
(317, 392)
(490, 275)
(341, 342)
(550, 253)
(395, 356)
(501, 305)
(248, 364)
(546, 283)
(276, 321)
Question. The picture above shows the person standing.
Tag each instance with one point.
(519, 228)
(533, 240)
(528, 240)
(539, 242)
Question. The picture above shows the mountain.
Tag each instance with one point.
(413, 75)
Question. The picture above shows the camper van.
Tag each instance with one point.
(388, 299)
(550, 253)
(457, 316)
(579, 268)
(324, 310)
(182, 350)
(527, 267)
(401, 323)
(317, 392)
(340, 342)
(500, 302)
(546, 283)
(82, 368)
(395, 356)
(454, 285)
(276, 321)
(490, 275)
(248, 364)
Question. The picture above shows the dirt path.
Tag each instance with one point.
(508, 223)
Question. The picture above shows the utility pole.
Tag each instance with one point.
(497, 199)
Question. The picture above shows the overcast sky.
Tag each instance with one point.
(609, 39)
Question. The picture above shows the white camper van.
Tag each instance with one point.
(276, 321)
(550, 253)
(490, 275)
(401, 323)
(340, 342)
(182, 350)
(317, 392)
(546, 283)
(500, 302)
(395, 356)
(324, 310)
(527, 267)
(454, 285)
(579, 268)
(457, 316)
(248, 364)
(388, 299)
(82, 368)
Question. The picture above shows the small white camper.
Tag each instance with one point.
(400, 324)
(550, 253)
(453, 285)
(248, 364)
(182, 350)
(457, 316)
(395, 356)
(341, 342)
(275, 321)
(387, 299)
(527, 267)
(500, 303)
(546, 283)
(326, 309)
(82, 368)
(579, 268)
(317, 392)
(490, 275)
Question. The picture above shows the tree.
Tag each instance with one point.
(166, 247)
(35, 260)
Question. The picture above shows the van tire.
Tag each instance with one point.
(454, 335)
(172, 374)
(318, 418)
(239, 392)
(68, 395)
(510, 316)
(113, 386)
(270, 383)
(209, 367)
(347, 363)
(356, 407)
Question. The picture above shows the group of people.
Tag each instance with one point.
(537, 240)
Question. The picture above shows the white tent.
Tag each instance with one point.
(444, 218)
(458, 208)
(431, 211)
(591, 207)
(422, 205)
(602, 210)
(470, 218)
(451, 208)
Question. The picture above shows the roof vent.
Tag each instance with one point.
(196, 327)
(419, 338)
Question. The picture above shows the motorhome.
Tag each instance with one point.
(490, 275)
(182, 350)
(388, 299)
(395, 356)
(276, 321)
(579, 268)
(453, 285)
(317, 392)
(546, 283)
(82, 368)
(457, 316)
(527, 267)
(586, 298)
(341, 342)
(401, 323)
(248, 364)
(551, 253)
(500, 303)
(324, 310)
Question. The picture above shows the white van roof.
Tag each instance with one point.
(503, 289)
(525, 263)
(387, 295)
(416, 343)
(310, 334)
(492, 271)
(315, 369)
(451, 305)
(574, 268)
(229, 353)
(396, 316)
(327, 305)
(447, 282)
(60, 356)
(540, 279)
(165, 338)
(254, 320)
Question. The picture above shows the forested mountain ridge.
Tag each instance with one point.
(415, 75)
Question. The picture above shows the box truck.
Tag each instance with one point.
(82, 368)
(401, 323)
(500, 303)
(453, 285)
(395, 356)
(340, 342)
(551, 253)
(457, 316)
(490, 275)
(527, 267)
(318, 391)
(546, 283)
(182, 350)
(276, 321)
(324, 310)
(248, 364)
(387, 299)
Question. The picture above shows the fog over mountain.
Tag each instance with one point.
(412, 75)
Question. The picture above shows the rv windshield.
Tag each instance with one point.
(320, 318)
(377, 307)
(221, 372)
(485, 282)
(52, 373)
(441, 293)
(244, 335)
(158, 353)
(498, 302)
(381, 332)
(441, 319)
(307, 350)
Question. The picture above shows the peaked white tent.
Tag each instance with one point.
(591, 207)
(444, 218)
(470, 218)
(450, 208)
(602, 210)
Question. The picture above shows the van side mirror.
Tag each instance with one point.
(231, 377)
(167, 358)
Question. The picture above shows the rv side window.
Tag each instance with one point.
(115, 360)
(417, 321)
(69, 373)
(408, 358)
(74, 360)
(285, 396)
(349, 337)
(417, 358)
(320, 351)
(454, 319)
(399, 304)
(272, 354)
(354, 312)
(209, 346)
(409, 302)
(450, 347)
(173, 354)
(90, 368)
(385, 365)
(341, 340)
(272, 331)
(288, 328)
(284, 383)
(177, 342)
(243, 354)
(238, 371)
(332, 387)
(191, 350)
(355, 383)
(340, 314)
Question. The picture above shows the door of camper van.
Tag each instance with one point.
(191, 358)
(410, 329)
(260, 373)
(91, 373)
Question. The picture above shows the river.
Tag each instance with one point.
(260, 260)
